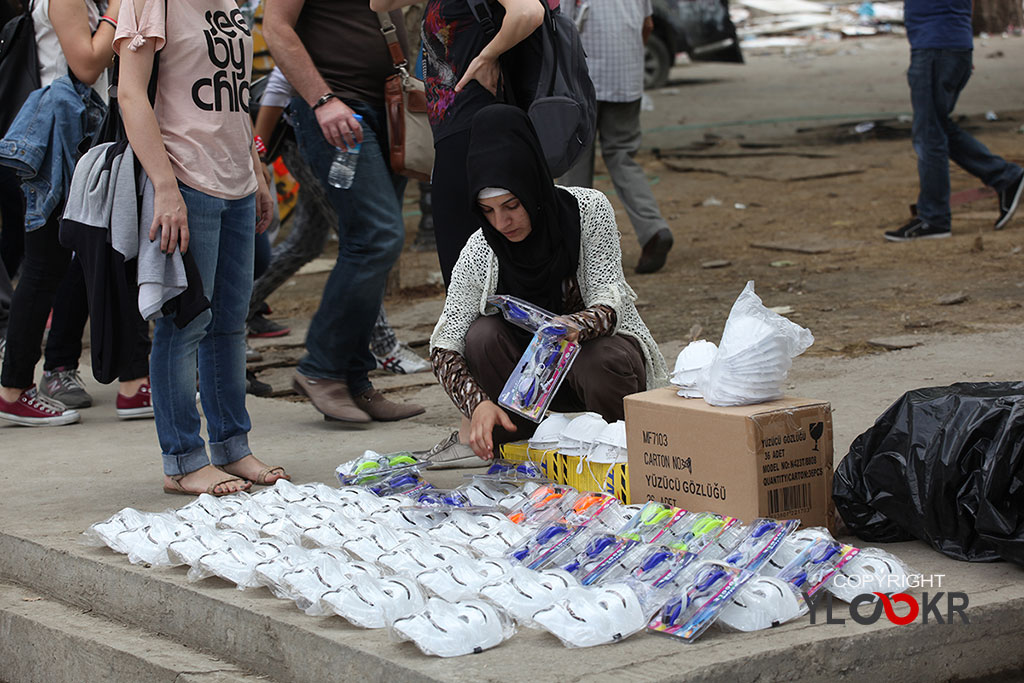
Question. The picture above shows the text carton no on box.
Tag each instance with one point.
(771, 459)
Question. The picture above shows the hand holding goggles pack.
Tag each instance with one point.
(520, 312)
(539, 373)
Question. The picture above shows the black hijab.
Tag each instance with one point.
(504, 152)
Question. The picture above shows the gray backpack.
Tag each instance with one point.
(563, 107)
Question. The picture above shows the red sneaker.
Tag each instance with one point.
(139, 405)
(35, 410)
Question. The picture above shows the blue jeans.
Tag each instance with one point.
(370, 237)
(221, 238)
(936, 78)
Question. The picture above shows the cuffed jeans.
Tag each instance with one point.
(618, 129)
(606, 370)
(221, 239)
(370, 237)
(936, 78)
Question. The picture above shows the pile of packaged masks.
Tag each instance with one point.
(455, 571)
(750, 363)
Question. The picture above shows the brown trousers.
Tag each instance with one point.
(606, 370)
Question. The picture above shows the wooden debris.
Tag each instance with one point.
(951, 299)
(790, 246)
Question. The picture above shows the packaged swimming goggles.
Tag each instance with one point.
(372, 466)
(813, 569)
(872, 570)
(520, 312)
(553, 542)
(451, 629)
(400, 481)
(463, 577)
(758, 542)
(444, 499)
(795, 543)
(545, 502)
(651, 522)
(524, 592)
(545, 545)
(696, 531)
(374, 602)
(600, 554)
(707, 591)
(596, 615)
(650, 564)
(510, 471)
(539, 373)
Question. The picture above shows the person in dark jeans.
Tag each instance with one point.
(941, 50)
(334, 85)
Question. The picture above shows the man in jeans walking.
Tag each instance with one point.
(334, 55)
(941, 46)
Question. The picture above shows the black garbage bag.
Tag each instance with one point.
(944, 465)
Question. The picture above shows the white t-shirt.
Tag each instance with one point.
(52, 63)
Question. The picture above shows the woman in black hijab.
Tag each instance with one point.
(554, 247)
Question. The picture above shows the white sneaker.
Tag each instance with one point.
(402, 360)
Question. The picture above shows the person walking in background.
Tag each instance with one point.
(941, 51)
(613, 33)
(334, 86)
(209, 196)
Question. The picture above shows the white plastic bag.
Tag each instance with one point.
(752, 360)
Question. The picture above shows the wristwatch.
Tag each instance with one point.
(324, 99)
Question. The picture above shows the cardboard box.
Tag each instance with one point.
(766, 460)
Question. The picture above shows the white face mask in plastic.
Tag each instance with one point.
(523, 592)
(762, 603)
(447, 629)
(237, 562)
(147, 544)
(594, 616)
(497, 542)
(287, 568)
(487, 493)
(375, 603)
(462, 527)
(872, 570)
(310, 581)
(411, 558)
(463, 577)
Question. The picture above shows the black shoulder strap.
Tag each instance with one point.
(482, 13)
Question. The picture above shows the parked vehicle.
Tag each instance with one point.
(700, 28)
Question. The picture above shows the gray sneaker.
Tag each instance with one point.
(449, 453)
(65, 385)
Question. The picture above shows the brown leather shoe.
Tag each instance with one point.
(383, 410)
(654, 253)
(330, 397)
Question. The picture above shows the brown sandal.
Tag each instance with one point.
(180, 490)
(261, 478)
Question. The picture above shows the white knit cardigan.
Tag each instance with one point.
(600, 277)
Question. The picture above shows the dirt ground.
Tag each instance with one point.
(817, 203)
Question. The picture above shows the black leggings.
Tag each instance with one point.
(43, 268)
(454, 222)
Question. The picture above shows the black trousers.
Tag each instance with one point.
(606, 370)
(45, 264)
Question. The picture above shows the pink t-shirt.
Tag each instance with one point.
(202, 98)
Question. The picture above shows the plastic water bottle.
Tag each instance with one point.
(343, 168)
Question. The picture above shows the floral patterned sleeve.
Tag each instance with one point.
(452, 372)
(596, 321)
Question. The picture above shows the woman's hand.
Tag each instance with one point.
(572, 332)
(264, 205)
(486, 416)
(484, 71)
(170, 220)
(339, 125)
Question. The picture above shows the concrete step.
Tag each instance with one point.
(42, 639)
(271, 637)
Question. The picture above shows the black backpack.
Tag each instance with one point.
(563, 107)
(19, 66)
